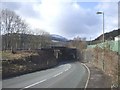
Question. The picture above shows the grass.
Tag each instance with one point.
(37, 61)
(8, 55)
(110, 62)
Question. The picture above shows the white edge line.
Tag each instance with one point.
(88, 74)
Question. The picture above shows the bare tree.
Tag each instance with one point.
(79, 43)
(17, 34)
(43, 38)
(11, 26)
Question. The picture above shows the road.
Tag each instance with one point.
(69, 75)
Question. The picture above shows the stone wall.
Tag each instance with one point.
(44, 60)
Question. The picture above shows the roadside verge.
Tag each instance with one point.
(97, 78)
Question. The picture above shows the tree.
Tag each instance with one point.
(43, 38)
(17, 34)
(79, 43)
(11, 26)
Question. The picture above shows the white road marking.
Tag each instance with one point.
(57, 74)
(88, 75)
(46, 79)
(63, 71)
(67, 69)
(35, 83)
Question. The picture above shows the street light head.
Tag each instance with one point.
(99, 13)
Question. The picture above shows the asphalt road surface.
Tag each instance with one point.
(69, 75)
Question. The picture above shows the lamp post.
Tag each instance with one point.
(103, 35)
(103, 24)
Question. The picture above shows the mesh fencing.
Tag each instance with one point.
(112, 45)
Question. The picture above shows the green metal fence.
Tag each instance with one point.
(112, 45)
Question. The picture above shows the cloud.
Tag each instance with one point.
(27, 10)
(24, 9)
(110, 10)
(11, 5)
(68, 18)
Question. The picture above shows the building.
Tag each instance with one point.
(117, 38)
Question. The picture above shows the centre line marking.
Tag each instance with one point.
(45, 79)
(34, 84)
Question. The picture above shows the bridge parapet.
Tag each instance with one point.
(62, 53)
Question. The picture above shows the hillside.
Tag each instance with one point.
(30, 41)
(58, 38)
(108, 35)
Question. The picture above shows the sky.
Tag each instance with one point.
(68, 18)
